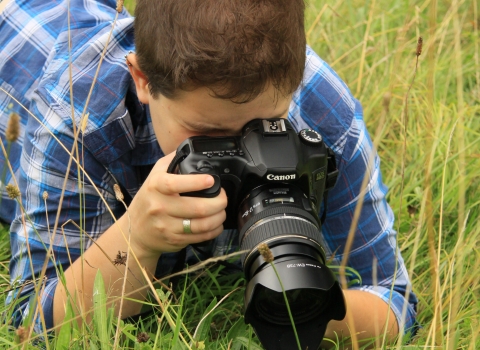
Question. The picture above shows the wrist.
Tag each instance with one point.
(140, 250)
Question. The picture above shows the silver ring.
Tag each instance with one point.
(186, 226)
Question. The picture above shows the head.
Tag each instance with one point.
(210, 66)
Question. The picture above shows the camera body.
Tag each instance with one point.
(275, 180)
(269, 152)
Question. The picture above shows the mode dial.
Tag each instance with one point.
(310, 136)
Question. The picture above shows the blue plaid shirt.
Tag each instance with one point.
(117, 145)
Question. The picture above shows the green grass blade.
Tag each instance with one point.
(238, 329)
(178, 323)
(247, 343)
(65, 334)
(204, 327)
(100, 311)
(111, 321)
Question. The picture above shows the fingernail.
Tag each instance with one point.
(210, 181)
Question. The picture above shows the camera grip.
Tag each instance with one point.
(203, 167)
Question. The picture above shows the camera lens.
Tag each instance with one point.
(281, 216)
(274, 179)
(273, 212)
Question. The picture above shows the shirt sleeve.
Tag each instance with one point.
(45, 171)
(376, 263)
(43, 167)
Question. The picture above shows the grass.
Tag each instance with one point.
(430, 151)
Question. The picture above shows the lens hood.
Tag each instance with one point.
(314, 295)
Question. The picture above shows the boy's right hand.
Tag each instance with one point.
(157, 211)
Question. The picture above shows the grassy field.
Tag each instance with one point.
(425, 119)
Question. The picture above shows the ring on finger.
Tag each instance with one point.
(187, 226)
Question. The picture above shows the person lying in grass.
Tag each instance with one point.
(121, 100)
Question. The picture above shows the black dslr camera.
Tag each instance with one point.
(275, 180)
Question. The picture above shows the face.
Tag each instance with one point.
(198, 112)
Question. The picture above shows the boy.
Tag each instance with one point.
(185, 68)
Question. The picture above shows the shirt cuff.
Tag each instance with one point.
(46, 301)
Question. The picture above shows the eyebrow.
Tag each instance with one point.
(201, 127)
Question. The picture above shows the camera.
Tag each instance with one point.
(275, 180)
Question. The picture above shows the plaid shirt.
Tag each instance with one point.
(117, 145)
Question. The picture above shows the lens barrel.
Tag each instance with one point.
(282, 217)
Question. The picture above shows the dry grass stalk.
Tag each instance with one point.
(315, 22)
(418, 52)
(364, 49)
(462, 217)
(476, 55)
(122, 259)
(430, 148)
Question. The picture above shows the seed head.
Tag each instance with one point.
(13, 128)
(265, 252)
(419, 46)
(386, 101)
(22, 334)
(142, 337)
(83, 122)
(118, 192)
(12, 191)
(45, 195)
(119, 6)
(412, 210)
(200, 345)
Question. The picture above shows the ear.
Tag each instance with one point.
(140, 79)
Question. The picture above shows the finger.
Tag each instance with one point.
(163, 163)
(202, 225)
(169, 184)
(195, 207)
(187, 239)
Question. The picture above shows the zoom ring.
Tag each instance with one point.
(277, 211)
(277, 226)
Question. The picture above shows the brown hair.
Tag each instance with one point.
(234, 47)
